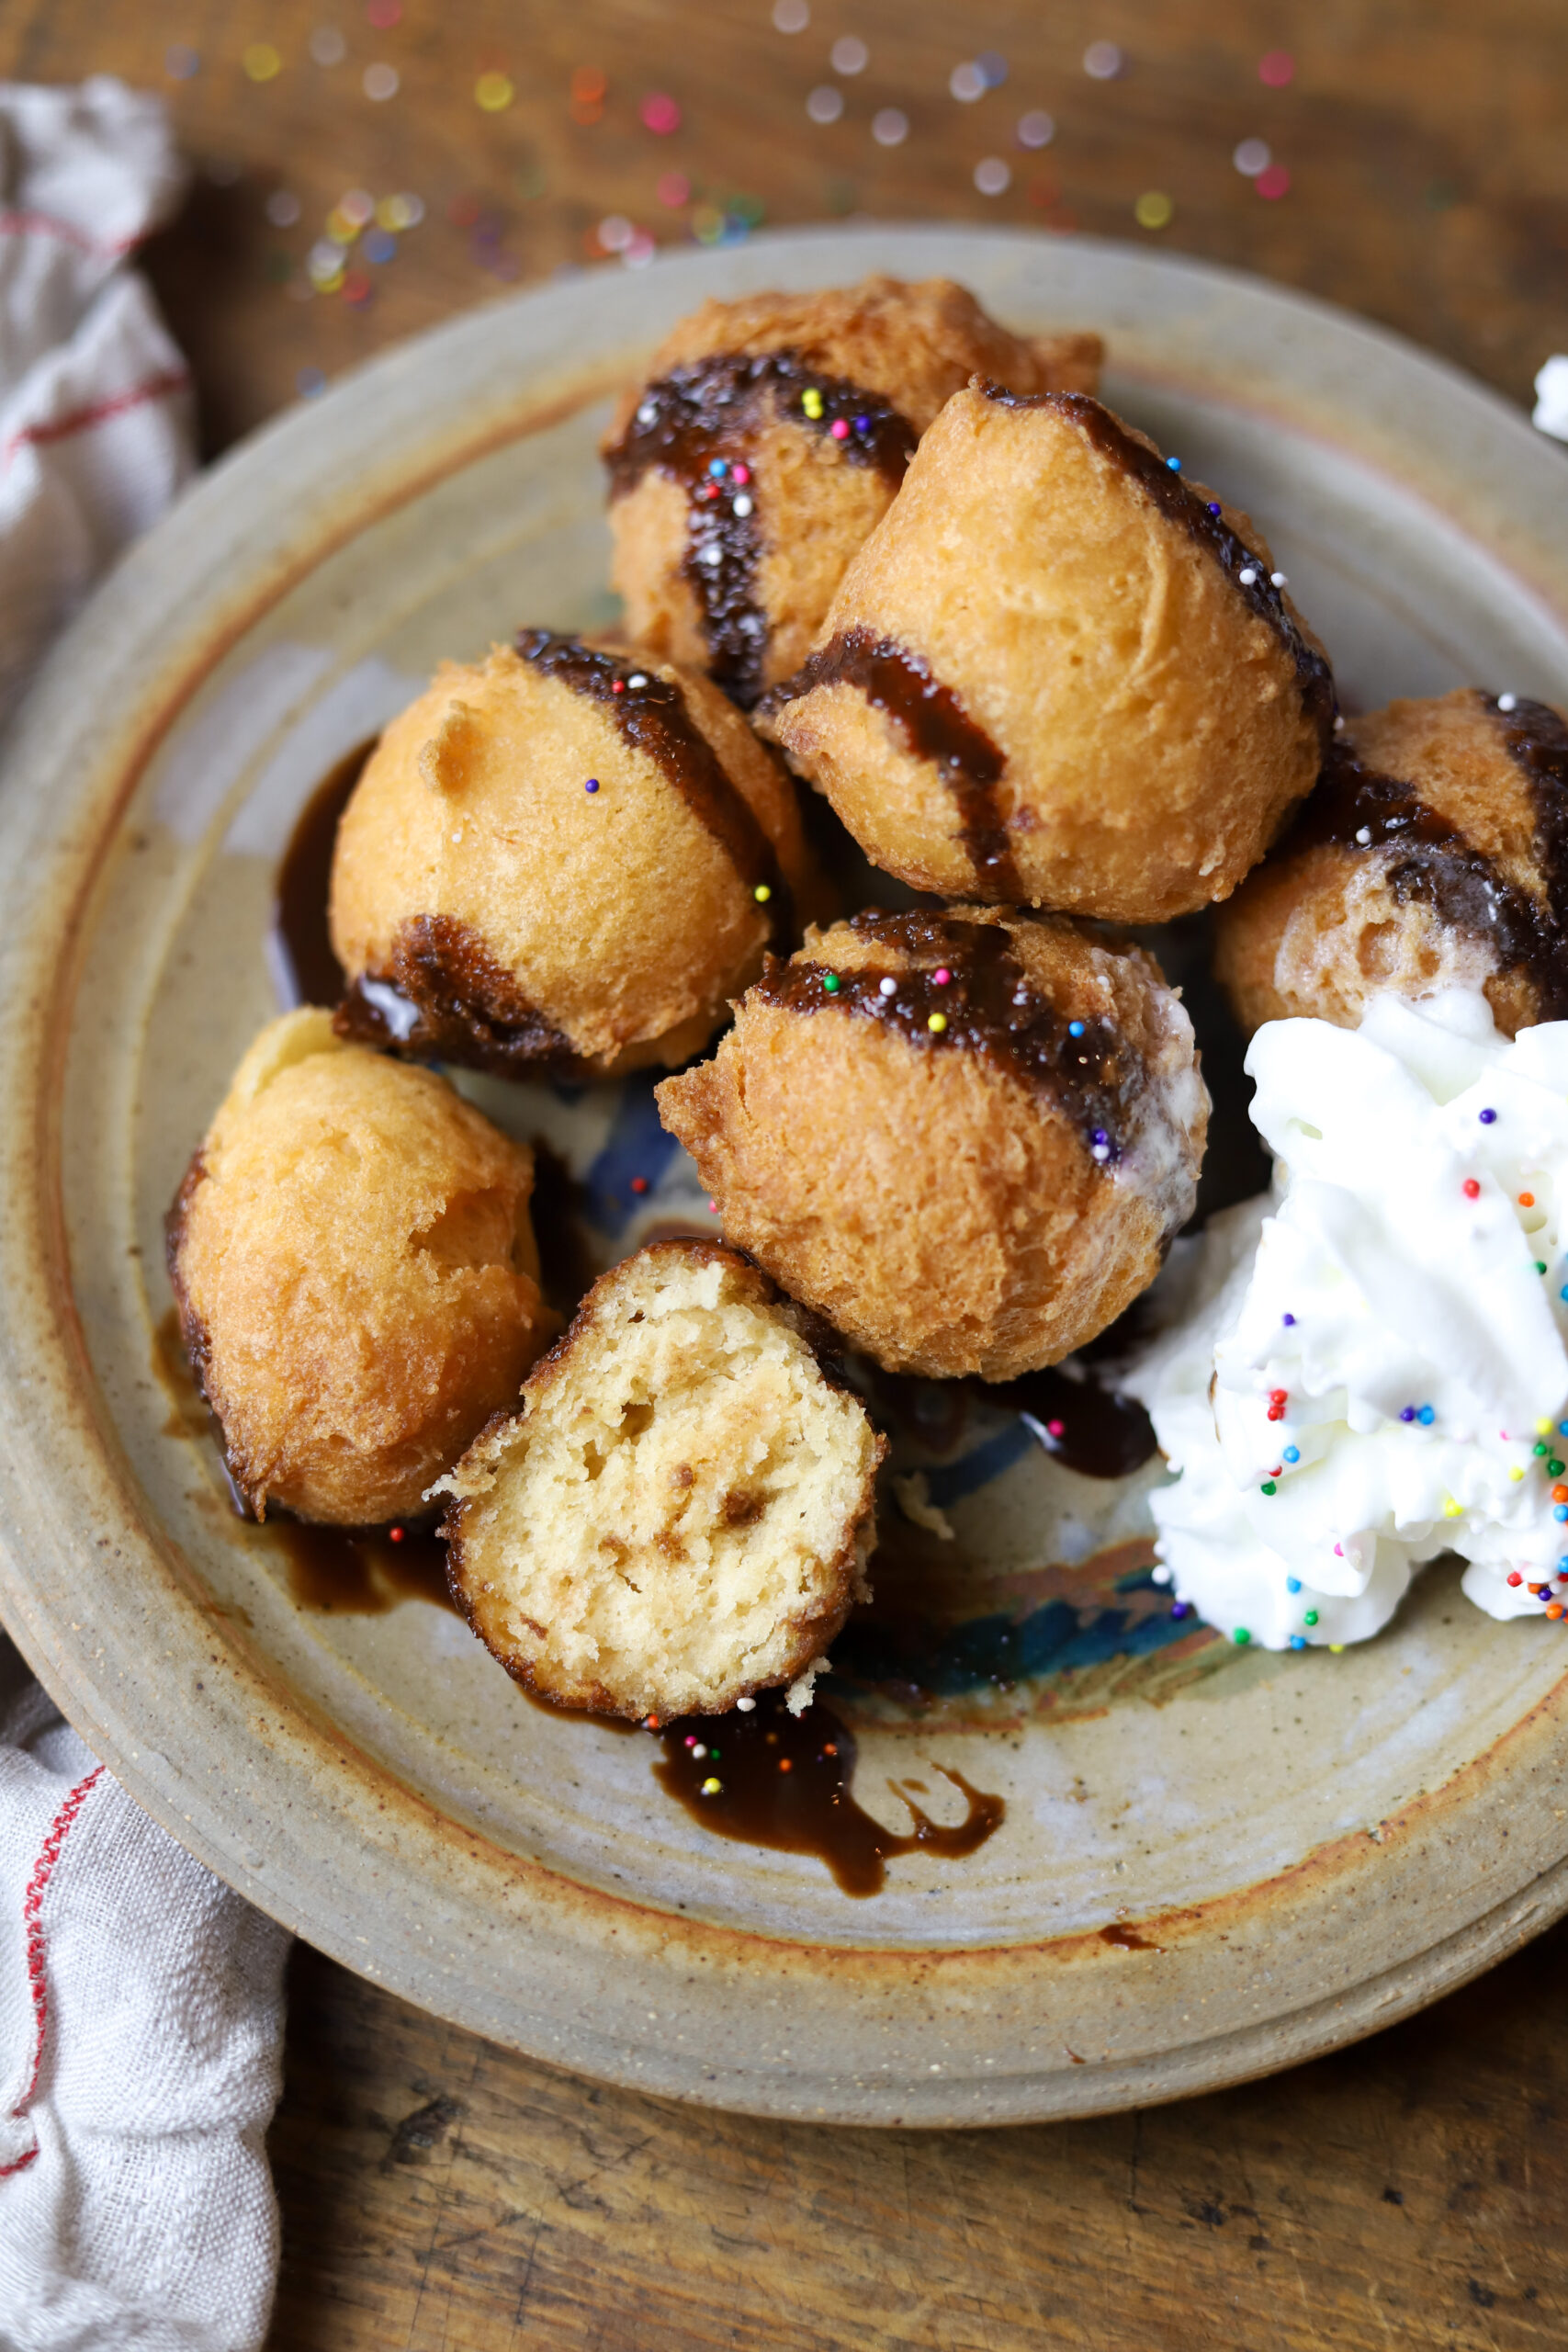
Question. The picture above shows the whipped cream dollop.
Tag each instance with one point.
(1368, 1366)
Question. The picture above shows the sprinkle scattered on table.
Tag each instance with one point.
(563, 166)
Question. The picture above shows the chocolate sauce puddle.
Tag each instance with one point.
(338, 1570)
(1537, 741)
(1357, 808)
(305, 961)
(617, 1723)
(651, 715)
(773, 1779)
(1124, 1939)
(1073, 1410)
(1237, 1164)
(559, 1209)
(1181, 504)
(361, 1571)
(934, 726)
(1092, 1430)
(707, 414)
(986, 1007)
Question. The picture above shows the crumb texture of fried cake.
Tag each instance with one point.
(562, 857)
(966, 1139)
(353, 1263)
(1059, 674)
(682, 1511)
(769, 437)
(1432, 854)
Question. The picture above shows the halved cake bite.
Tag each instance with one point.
(682, 1512)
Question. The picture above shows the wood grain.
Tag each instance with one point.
(1428, 172)
(439, 2193)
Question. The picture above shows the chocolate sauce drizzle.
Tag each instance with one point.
(442, 994)
(1431, 861)
(989, 1008)
(934, 726)
(653, 716)
(1181, 504)
(784, 1781)
(711, 410)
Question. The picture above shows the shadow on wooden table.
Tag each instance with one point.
(441, 2193)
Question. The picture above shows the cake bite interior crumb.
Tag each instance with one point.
(682, 1512)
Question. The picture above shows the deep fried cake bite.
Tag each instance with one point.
(681, 1511)
(964, 1139)
(1058, 672)
(769, 437)
(1432, 854)
(355, 1269)
(562, 857)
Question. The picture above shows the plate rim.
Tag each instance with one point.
(226, 1836)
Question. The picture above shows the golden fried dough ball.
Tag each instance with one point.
(1058, 672)
(562, 856)
(355, 1273)
(770, 437)
(682, 1512)
(1432, 854)
(965, 1139)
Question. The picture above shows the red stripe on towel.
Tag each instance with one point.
(156, 388)
(64, 233)
(37, 1974)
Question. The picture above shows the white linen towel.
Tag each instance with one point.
(141, 2001)
(94, 407)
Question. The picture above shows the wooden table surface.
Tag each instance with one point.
(438, 2192)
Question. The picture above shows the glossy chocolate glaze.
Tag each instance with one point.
(301, 935)
(784, 1781)
(1181, 504)
(712, 410)
(653, 718)
(989, 1007)
(934, 726)
(442, 995)
(1433, 864)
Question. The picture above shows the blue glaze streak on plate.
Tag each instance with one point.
(1073, 1599)
(951, 1482)
(999, 1649)
(636, 1146)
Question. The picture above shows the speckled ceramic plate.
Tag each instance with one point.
(1211, 1863)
